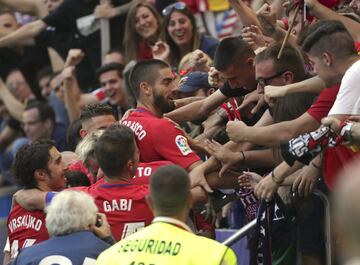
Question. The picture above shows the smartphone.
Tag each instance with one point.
(98, 222)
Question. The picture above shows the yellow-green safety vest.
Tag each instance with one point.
(164, 243)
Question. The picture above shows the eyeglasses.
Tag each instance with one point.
(263, 81)
(177, 6)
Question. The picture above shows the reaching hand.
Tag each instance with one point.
(74, 57)
(253, 97)
(248, 180)
(197, 178)
(332, 123)
(198, 61)
(267, 19)
(161, 51)
(105, 10)
(236, 131)
(214, 78)
(306, 181)
(266, 188)
(223, 154)
(254, 36)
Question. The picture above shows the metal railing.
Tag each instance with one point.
(246, 229)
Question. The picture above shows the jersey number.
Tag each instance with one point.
(15, 246)
(131, 228)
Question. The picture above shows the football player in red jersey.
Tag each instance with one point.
(157, 138)
(38, 165)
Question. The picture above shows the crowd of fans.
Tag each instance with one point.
(263, 115)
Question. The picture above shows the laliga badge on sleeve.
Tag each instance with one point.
(182, 143)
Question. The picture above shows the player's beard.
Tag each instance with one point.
(164, 105)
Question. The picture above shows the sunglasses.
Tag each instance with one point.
(177, 6)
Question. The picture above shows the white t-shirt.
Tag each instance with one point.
(348, 99)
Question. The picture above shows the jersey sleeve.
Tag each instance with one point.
(172, 145)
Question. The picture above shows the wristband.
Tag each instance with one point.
(273, 178)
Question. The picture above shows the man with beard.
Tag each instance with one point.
(157, 138)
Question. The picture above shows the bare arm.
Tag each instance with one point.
(31, 7)
(26, 32)
(323, 13)
(246, 14)
(274, 134)
(15, 107)
(198, 109)
(32, 199)
(70, 95)
(311, 85)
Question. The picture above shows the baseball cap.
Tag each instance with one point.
(193, 82)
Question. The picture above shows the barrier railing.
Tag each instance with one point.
(246, 229)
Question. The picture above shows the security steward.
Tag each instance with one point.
(168, 240)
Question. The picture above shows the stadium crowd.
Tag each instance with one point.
(200, 113)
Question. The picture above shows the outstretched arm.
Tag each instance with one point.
(31, 7)
(198, 109)
(271, 135)
(26, 32)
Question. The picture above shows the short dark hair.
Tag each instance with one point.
(30, 158)
(73, 134)
(94, 110)
(231, 51)
(115, 147)
(46, 112)
(44, 72)
(119, 68)
(169, 189)
(291, 60)
(328, 36)
(76, 178)
(145, 71)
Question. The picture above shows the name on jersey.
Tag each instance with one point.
(26, 221)
(143, 172)
(136, 128)
(117, 205)
(152, 246)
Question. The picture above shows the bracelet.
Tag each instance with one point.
(316, 166)
(273, 178)
(243, 155)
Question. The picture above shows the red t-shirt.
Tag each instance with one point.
(145, 170)
(324, 103)
(123, 204)
(25, 228)
(159, 139)
(337, 157)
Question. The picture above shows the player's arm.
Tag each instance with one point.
(32, 199)
(25, 32)
(199, 109)
(274, 134)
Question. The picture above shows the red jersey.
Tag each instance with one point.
(145, 170)
(25, 228)
(123, 204)
(159, 139)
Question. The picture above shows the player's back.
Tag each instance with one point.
(25, 228)
(124, 205)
